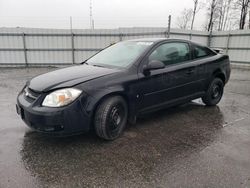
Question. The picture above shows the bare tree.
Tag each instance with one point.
(196, 7)
(223, 9)
(249, 20)
(194, 13)
(244, 4)
(184, 19)
(231, 15)
(222, 14)
(212, 12)
(226, 15)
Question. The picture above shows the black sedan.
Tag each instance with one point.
(121, 82)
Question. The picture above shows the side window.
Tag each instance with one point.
(200, 51)
(171, 53)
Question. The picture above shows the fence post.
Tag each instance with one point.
(72, 48)
(25, 50)
(209, 39)
(169, 25)
(190, 35)
(120, 36)
(72, 41)
(228, 42)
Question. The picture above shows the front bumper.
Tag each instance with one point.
(67, 120)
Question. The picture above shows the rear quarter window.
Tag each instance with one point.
(200, 52)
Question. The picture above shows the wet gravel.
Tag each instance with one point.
(186, 146)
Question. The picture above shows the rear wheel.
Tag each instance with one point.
(111, 118)
(214, 92)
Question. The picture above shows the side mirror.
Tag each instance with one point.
(154, 65)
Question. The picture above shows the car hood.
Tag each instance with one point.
(67, 77)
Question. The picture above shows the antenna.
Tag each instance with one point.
(91, 20)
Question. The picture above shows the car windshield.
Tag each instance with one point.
(119, 55)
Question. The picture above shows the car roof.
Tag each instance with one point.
(156, 40)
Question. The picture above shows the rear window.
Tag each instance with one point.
(200, 51)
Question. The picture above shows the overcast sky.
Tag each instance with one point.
(106, 13)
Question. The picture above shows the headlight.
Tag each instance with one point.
(61, 97)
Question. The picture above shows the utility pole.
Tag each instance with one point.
(91, 20)
(70, 21)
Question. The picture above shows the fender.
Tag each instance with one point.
(100, 95)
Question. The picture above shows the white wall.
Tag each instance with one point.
(54, 46)
(235, 43)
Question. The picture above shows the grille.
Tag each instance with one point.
(30, 94)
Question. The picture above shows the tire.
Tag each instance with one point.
(111, 118)
(214, 92)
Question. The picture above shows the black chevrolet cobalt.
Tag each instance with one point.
(119, 83)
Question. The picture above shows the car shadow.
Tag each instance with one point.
(159, 142)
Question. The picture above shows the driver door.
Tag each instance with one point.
(175, 81)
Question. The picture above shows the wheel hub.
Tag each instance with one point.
(216, 91)
(115, 117)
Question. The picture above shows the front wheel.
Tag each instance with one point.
(111, 118)
(214, 92)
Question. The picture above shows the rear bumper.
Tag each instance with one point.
(68, 120)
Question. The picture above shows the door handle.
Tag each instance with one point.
(190, 71)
